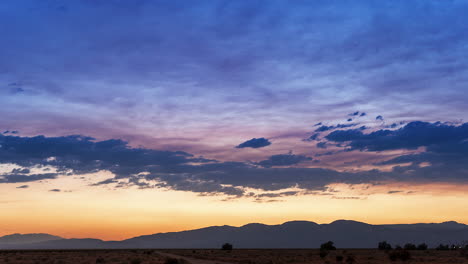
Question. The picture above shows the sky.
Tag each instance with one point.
(124, 118)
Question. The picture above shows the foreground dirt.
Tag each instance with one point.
(312, 256)
(81, 257)
(236, 256)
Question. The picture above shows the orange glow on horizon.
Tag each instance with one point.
(107, 214)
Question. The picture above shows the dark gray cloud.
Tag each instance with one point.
(313, 137)
(255, 143)
(283, 160)
(411, 136)
(55, 190)
(444, 157)
(145, 168)
(22, 187)
(17, 178)
(444, 160)
(322, 145)
(332, 127)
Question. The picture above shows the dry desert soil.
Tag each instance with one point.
(236, 256)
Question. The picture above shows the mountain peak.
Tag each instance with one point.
(347, 222)
(17, 238)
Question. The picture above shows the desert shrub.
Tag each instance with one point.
(422, 246)
(226, 246)
(410, 246)
(328, 246)
(400, 254)
(100, 260)
(384, 245)
(339, 258)
(443, 247)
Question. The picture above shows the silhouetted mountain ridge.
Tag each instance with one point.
(26, 238)
(293, 234)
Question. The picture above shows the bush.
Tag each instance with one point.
(384, 245)
(402, 255)
(409, 246)
(328, 246)
(422, 246)
(100, 260)
(339, 258)
(226, 246)
(443, 247)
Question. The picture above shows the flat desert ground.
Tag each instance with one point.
(236, 256)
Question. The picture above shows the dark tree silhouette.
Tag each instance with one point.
(226, 246)
(384, 245)
(422, 246)
(328, 246)
(442, 247)
(410, 246)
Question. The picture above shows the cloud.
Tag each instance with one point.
(411, 136)
(442, 150)
(17, 178)
(313, 137)
(146, 168)
(55, 190)
(283, 160)
(444, 160)
(21, 171)
(322, 145)
(379, 117)
(22, 187)
(255, 143)
(219, 55)
(328, 128)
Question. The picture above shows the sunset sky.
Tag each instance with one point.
(124, 118)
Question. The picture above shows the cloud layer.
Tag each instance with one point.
(443, 159)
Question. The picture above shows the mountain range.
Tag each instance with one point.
(294, 234)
